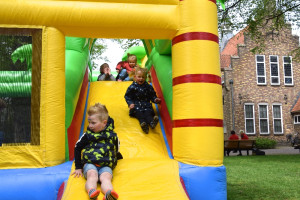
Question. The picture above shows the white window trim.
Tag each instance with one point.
(292, 75)
(252, 104)
(265, 83)
(271, 70)
(263, 104)
(296, 116)
(277, 104)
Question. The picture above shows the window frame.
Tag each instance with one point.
(277, 104)
(292, 75)
(257, 76)
(277, 63)
(298, 120)
(259, 118)
(245, 118)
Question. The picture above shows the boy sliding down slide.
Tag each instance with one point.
(138, 97)
(99, 146)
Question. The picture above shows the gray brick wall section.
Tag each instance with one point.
(246, 90)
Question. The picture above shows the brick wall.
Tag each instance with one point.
(246, 90)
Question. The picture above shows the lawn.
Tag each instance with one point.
(270, 177)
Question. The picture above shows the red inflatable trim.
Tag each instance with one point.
(197, 78)
(61, 191)
(183, 185)
(163, 106)
(74, 128)
(195, 36)
(197, 123)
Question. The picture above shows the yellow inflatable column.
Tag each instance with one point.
(52, 109)
(197, 91)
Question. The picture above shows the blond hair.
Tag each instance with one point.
(99, 110)
(131, 55)
(140, 69)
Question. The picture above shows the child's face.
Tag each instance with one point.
(140, 77)
(106, 69)
(132, 61)
(95, 124)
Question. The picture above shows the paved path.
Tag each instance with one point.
(280, 150)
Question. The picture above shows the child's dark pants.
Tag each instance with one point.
(144, 116)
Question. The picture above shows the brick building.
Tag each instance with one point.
(261, 91)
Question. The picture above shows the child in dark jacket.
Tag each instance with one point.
(125, 68)
(99, 147)
(138, 97)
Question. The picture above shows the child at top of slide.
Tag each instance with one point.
(105, 74)
(124, 68)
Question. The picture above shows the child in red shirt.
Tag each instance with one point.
(124, 68)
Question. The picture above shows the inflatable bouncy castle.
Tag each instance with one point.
(182, 158)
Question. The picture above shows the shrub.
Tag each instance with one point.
(265, 143)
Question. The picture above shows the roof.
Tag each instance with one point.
(231, 48)
(296, 107)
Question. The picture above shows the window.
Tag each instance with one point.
(249, 118)
(260, 70)
(274, 70)
(19, 121)
(288, 70)
(297, 119)
(277, 119)
(263, 119)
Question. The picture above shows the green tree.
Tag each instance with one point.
(256, 14)
(98, 49)
(127, 43)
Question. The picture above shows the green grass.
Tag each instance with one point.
(270, 177)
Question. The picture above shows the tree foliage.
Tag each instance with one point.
(127, 43)
(98, 49)
(256, 15)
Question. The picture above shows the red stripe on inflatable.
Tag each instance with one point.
(74, 128)
(197, 78)
(163, 106)
(195, 36)
(183, 185)
(60, 191)
(197, 123)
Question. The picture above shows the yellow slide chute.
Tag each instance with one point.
(146, 172)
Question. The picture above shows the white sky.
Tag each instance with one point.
(114, 53)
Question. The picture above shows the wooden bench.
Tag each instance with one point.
(239, 145)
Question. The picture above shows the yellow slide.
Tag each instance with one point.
(146, 172)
